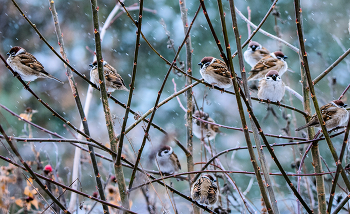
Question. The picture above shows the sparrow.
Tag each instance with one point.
(271, 87)
(334, 114)
(209, 130)
(274, 61)
(26, 65)
(254, 53)
(215, 72)
(113, 80)
(167, 161)
(205, 190)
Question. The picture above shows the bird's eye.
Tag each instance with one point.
(268, 78)
(166, 151)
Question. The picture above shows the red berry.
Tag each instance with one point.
(47, 169)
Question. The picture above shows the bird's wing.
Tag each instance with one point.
(215, 128)
(30, 61)
(212, 192)
(176, 161)
(263, 51)
(116, 79)
(328, 111)
(196, 190)
(109, 69)
(263, 64)
(219, 67)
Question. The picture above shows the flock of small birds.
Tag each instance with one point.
(267, 68)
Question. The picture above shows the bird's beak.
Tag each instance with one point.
(8, 54)
(345, 105)
(91, 65)
(200, 64)
(254, 47)
(285, 57)
(274, 77)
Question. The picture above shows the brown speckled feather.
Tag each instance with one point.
(274, 61)
(113, 80)
(263, 64)
(220, 68)
(212, 194)
(26, 65)
(333, 114)
(29, 60)
(204, 190)
(176, 161)
(116, 79)
(215, 128)
(327, 112)
(263, 52)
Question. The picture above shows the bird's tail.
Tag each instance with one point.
(124, 88)
(302, 127)
(202, 199)
(54, 78)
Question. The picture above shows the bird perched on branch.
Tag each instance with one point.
(205, 190)
(271, 87)
(215, 72)
(334, 114)
(202, 129)
(113, 80)
(167, 161)
(274, 61)
(254, 53)
(26, 65)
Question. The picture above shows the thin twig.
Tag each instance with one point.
(189, 101)
(76, 96)
(112, 138)
(305, 65)
(256, 28)
(257, 140)
(133, 77)
(338, 163)
(345, 90)
(222, 54)
(157, 100)
(177, 97)
(241, 111)
(166, 100)
(266, 33)
(330, 68)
